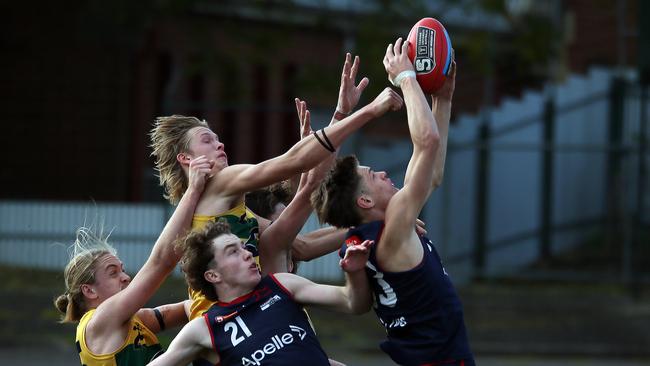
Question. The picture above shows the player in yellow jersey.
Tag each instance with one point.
(114, 329)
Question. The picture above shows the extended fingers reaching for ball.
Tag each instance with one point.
(396, 59)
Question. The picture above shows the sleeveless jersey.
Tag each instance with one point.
(419, 308)
(243, 223)
(264, 327)
(138, 349)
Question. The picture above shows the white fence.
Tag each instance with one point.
(38, 234)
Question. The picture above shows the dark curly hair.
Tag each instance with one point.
(263, 201)
(335, 198)
(198, 254)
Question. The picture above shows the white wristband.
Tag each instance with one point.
(404, 74)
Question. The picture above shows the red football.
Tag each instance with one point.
(431, 53)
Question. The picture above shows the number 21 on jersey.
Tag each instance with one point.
(235, 338)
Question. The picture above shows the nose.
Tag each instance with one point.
(382, 175)
(126, 277)
(247, 254)
(220, 145)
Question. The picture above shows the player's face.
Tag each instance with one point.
(235, 264)
(110, 277)
(377, 185)
(205, 142)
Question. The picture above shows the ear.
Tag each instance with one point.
(88, 291)
(365, 201)
(183, 158)
(212, 276)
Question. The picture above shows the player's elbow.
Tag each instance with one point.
(429, 141)
(300, 250)
(437, 179)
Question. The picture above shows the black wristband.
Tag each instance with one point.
(160, 319)
(327, 147)
(327, 140)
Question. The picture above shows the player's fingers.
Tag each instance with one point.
(355, 68)
(398, 47)
(363, 84)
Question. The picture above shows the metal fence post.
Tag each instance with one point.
(482, 191)
(547, 181)
(614, 170)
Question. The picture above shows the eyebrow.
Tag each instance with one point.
(229, 246)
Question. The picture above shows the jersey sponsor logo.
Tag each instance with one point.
(395, 323)
(270, 302)
(276, 343)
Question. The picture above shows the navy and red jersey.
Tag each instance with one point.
(264, 327)
(419, 308)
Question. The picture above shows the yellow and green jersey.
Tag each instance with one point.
(243, 223)
(138, 349)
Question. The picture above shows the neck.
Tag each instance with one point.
(373, 214)
(229, 294)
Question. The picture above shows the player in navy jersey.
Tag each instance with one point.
(414, 297)
(257, 320)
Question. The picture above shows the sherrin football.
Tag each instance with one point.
(431, 53)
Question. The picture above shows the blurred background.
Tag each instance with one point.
(543, 219)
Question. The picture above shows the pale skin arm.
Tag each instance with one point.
(190, 343)
(106, 329)
(441, 108)
(317, 243)
(238, 179)
(353, 298)
(173, 316)
(277, 240)
(400, 248)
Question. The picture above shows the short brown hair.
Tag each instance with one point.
(168, 139)
(263, 201)
(335, 198)
(198, 253)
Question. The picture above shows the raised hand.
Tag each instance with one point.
(446, 91)
(387, 100)
(396, 59)
(356, 256)
(304, 118)
(349, 93)
(200, 169)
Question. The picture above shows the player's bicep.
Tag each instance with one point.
(239, 179)
(187, 345)
(307, 292)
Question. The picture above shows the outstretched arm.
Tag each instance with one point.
(304, 155)
(277, 239)
(188, 345)
(119, 308)
(317, 243)
(441, 108)
(354, 298)
(403, 209)
(170, 316)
